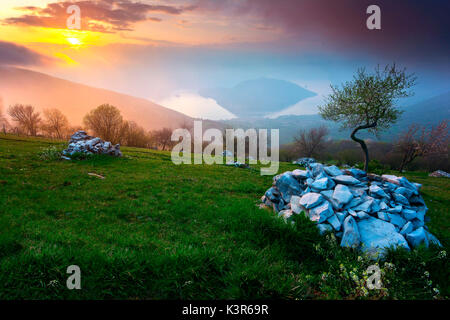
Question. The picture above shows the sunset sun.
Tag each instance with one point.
(74, 41)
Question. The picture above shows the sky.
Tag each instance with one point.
(167, 50)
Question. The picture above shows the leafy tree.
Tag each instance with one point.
(308, 142)
(368, 102)
(417, 141)
(55, 123)
(106, 122)
(26, 117)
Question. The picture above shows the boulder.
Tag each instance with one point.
(390, 178)
(406, 192)
(334, 222)
(273, 195)
(378, 235)
(342, 194)
(405, 183)
(333, 171)
(383, 216)
(417, 237)
(353, 213)
(407, 228)
(365, 205)
(321, 212)
(351, 236)
(357, 173)
(315, 169)
(322, 184)
(409, 214)
(295, 204)
(328, 194)
(311, 200)
(396, 220)
(300, 174)
(400, 199)
(344, 179)
(383, 205)
(362, 215)
(288, 186)
(341, 216)
(376, 191)
(353, 203)
(396, 209)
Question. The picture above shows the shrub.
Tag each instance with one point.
(51, 153)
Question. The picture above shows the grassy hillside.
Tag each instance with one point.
(153, 230)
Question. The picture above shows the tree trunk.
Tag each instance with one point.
(363, 146)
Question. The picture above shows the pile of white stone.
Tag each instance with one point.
(80, 142)
(304, 161)
(439, 174)
(364, 211)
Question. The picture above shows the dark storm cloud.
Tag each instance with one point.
(97, 15)
(12, 54)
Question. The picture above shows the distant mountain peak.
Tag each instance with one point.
(258, 97)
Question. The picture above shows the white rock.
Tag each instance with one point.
(351, 236)
(342, 194)
(344, 179)
(320, 184)
(417, 237)
(311, 200)
(376, 191)
(295, 204)
(333, 171)
(378, 235)
(335, 223)
(321, 212)
(300, 174)
(407, 228)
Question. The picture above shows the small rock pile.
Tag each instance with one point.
(80, 142)
(304, 161)
(439, 173)
(365, 211)
(237, 164)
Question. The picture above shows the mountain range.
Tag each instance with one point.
(75, 100)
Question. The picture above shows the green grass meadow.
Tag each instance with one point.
(154, 230)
